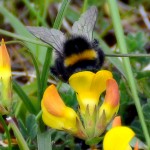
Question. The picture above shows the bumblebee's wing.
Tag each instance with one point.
(53, 37)
(85, 25)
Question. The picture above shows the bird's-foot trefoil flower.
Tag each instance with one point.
(57, 115)
(88, 87)
(5, 80)
(118, 137)
(93, 115)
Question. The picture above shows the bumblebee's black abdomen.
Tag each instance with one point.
(76, 45)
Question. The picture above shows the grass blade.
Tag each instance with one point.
(127, 66)
(44, 141)
(7, 132)
(21, 142)
(61, 14)
(25, 99)
(39, 91)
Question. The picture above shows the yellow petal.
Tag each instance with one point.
(81, 81)
(88, 87)
(111, 102)
(67, 122)
(55, 113)
(99, 82)
(118, 138)
(51, 120)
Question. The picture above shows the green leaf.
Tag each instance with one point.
(32, 126)
(39, 91)
(44, 141)
(25, 99)
(45, 71)
(61, 14)
(136, 42)
(23, 129)
(94, 141)
(21, 142)
(4, 125)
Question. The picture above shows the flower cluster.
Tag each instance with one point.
(94, 112)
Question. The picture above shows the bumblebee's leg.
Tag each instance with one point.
(59, 70)
(95, 44)
(101, 55)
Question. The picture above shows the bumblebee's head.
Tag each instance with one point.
(76, 45)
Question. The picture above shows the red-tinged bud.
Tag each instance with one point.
(5, 79)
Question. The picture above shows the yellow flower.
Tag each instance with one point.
(5, 78)
(89, 87)
(56, 114)
(118, 137)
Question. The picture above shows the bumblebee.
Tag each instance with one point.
(79, 52)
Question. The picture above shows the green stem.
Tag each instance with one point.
(39, 92)
(7, 132)
(126, 62)
(21, 142)
(85, 4)
(127, 55)
(45, 71)
(38, 116)
(25, 99)
(106, 54)
(61, 14)
(3, 32)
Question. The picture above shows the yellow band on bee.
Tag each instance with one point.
(89, 54)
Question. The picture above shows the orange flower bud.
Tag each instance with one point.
(5, 77)
(116, 122)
